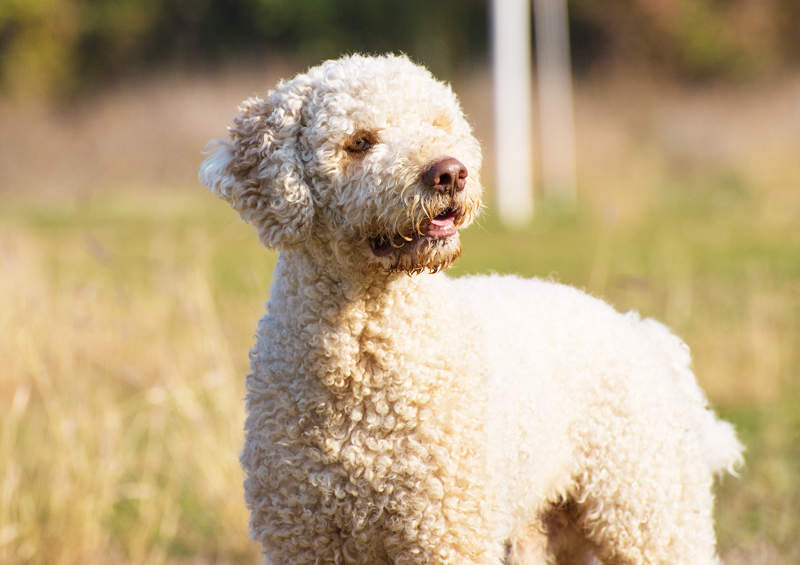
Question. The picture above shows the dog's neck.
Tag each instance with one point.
(307, 292)
(343, 325)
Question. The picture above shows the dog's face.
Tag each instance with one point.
(368, 158)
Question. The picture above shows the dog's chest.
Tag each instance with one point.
(365, 417)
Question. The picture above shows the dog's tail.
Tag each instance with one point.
(722, 449)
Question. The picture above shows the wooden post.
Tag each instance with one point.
(511, 74)
(553, 78)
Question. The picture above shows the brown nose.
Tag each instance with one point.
(445, 174)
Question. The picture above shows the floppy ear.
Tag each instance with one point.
(258, 168)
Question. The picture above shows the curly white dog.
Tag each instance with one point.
(398, 416)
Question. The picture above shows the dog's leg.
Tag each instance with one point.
(643, 511)
(450, 532)
(529, 547)
(556, 539)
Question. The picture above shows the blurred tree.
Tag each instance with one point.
(58, 47)
(37, 40)
(789, 25)
(692, 39)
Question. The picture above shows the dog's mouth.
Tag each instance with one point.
(442, 226)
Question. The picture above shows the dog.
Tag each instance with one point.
(399, 416)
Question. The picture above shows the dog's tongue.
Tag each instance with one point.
(446, 221)
(441, 227)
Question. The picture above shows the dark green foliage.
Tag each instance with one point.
(63, 47)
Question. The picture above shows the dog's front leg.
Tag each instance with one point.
(424, 527)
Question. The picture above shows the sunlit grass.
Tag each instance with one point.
(127, 318)
(126, 339)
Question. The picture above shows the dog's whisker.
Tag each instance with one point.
(428, 213)
(414, 205)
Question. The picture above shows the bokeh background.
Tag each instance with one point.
(129, 295)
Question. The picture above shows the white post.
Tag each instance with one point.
(553, 78)
(511, 66)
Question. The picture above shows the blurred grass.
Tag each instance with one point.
(126, 326)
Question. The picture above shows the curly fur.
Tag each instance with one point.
(398, 416)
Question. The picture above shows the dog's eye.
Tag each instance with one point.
(360, 142)
(358, 145)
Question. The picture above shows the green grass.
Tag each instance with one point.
(128, 326)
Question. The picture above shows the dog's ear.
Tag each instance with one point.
(258, 169)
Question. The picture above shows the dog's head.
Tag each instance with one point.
(367, 159)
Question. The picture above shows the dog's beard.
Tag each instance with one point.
(425, 237)
(422, 254)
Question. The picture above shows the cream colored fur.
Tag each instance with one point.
(398, 416)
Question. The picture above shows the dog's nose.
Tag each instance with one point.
(445, 174)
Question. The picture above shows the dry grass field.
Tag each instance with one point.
(128, 299)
